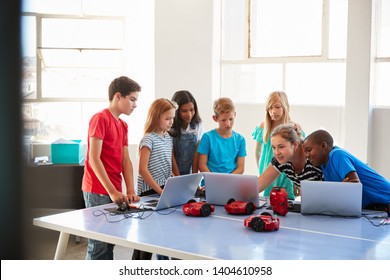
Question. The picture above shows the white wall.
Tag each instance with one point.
(380, 151)
(184, 49)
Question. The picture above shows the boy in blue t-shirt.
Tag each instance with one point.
(222, 150)
(340, 166)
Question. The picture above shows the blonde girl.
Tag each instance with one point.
(277, 112)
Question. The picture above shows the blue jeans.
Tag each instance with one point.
(97, 250)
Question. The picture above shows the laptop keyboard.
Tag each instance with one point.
(151, 203)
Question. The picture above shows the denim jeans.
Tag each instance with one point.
(97, 250)
(184, 149)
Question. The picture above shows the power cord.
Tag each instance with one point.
(385, 220)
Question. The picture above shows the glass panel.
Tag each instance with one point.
(53, 120)
(49, 121)
(286, 28)
(382, 86)
(52, 6)
(384, 30)
(110, 8)
(28, 37)
(338, 21)
(82, 33)
(77, 82)
(84, 58)
(234, 29)
(251, 83)
(79, 7)
(316, 83)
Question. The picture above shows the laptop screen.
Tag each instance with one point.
(331, 198)
(177, 191)
(220, 187)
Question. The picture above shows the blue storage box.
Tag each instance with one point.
(66, 152)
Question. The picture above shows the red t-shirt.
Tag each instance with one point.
(113, 132)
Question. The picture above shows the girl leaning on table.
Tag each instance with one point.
(156, 160)
(289, 158)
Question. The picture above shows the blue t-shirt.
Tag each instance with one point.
(222, 152)
(376, 188)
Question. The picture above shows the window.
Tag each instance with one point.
(382, 81)
(29, 46)
(72, 50)
(80, 56)
(295, 46)
(284, 28)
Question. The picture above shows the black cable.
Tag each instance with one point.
(385, 220)
(126, 215)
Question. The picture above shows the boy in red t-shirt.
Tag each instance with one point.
(108, 159)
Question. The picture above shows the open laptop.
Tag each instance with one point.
(178, 190)
(220, 187)
(331, 198)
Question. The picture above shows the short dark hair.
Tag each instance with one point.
(319, 136)
(124, 85)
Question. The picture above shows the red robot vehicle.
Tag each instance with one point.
(199, 209)
(278, 201)
(264, 222)
(239, 207)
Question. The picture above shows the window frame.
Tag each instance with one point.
(285, 60)
(38, 18)
(325, 57)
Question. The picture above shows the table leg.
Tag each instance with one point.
(61, 246)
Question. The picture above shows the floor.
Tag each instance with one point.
(42, 243)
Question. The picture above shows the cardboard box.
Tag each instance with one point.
(66, 152)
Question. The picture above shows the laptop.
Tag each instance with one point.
(331, 198)
(220, 187)
(178, 190)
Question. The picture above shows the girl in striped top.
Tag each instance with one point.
(156, 161)
(289, 158)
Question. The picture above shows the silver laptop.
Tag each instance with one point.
(220, 187)
(178, 190)
(331, 198)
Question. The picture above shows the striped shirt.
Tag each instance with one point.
(160, 161)
(309, 172)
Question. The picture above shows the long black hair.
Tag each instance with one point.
(182, 97)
